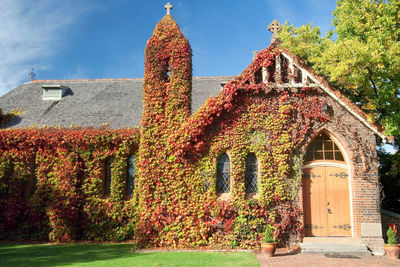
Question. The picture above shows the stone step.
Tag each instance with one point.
(342, 246)
(340, 240)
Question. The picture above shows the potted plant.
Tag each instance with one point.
(392, 248)
(268, 245)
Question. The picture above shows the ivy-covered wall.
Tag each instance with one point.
(177, 153)
(52, 180)
(51, 184)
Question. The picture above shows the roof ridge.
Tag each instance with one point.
(87, 80)
(217, 77)
(120, 79)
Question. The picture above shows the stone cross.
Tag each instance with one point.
(275, 27)
(168, 7)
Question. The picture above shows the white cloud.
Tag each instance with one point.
(30, 32)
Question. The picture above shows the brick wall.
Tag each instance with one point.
(359, 144)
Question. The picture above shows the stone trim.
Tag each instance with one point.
(390, 213)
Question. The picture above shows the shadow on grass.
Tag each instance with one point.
(59, 255)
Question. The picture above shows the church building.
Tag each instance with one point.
(172, 160)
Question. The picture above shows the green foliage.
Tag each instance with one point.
(391, 236)
(269, 234)
(361, 55)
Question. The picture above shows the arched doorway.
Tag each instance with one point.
(326, 195)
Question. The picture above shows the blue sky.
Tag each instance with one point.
(75, 39)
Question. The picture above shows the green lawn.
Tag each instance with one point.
(114, 255)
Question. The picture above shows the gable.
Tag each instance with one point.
(273, 70)
(310, 78)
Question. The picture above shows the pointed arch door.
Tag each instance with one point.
(326, 195)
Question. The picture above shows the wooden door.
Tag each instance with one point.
(338, 201)
(326, 201)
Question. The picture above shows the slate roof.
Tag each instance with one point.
(117, 102)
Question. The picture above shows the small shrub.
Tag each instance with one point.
(391, 235)
(269, 235)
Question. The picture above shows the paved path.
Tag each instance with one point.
(311, 260)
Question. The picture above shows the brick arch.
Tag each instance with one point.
(346, 138)
(337, 138)
(343, 137)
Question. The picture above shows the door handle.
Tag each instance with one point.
(329, 211)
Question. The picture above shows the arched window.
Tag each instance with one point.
(251, 174)
(130, 183)
(107, 177)
(33, 179)
(223, 174)
(323, 148)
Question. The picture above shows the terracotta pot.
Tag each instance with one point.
(268, 249)
(392, 251)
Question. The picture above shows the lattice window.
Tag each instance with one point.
(33, 180)
(223, 174)
(130, 183)
(251, 174)
(323, 148)
(107, 177)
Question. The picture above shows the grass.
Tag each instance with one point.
(114, 255)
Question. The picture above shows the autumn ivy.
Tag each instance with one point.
(66, 202)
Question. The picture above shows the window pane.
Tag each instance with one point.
(339, 156)
(107, 177)
(336, 147)
(329, 155)
(328, 145)
(130, 186)
(318, 146)
(318, 156)
(251, 174)
(223, 174)
(309, 156)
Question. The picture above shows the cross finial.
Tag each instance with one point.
(254, 53)
(32, 75)
(275, 27)
(168, 7)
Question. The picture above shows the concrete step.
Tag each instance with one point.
(341, 240)
(327, 245)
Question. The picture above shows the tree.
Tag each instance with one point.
(360, 55)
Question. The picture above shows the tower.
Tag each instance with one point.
(166, 105)
(167, 76)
